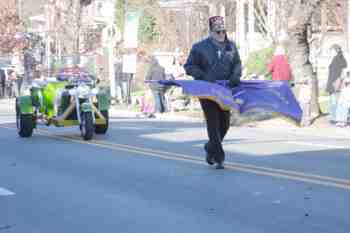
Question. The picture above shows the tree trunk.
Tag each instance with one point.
(77, 32)
(298, 48)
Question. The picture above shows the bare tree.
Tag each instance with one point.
(298, 45)
(65, 25)
(10, 26)
(299, 15)
(72, 15)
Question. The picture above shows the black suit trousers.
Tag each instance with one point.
(218, 123)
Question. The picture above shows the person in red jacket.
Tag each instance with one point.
(279, 66)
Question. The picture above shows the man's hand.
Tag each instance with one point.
(234, 83)
(209, 78)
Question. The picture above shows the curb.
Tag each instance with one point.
(325, 130)
(163, 116)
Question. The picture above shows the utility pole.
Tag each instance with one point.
(79, 9)
(348, 31)
(130, 43)
(111, 43)
(19, 8)
(111, 71)
(48, 39)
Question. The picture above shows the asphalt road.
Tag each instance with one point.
(149, 176)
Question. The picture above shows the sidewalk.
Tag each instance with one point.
(186, 116)
(321, 126)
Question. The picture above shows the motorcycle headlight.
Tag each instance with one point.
(72, 92)
(26, 91)
(94, 91)
(83, 90)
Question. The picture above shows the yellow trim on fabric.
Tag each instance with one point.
(221, 105)
(286, 118)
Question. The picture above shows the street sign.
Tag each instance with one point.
(131, 29)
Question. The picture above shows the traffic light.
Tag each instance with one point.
(85, 2)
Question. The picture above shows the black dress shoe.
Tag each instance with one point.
(220, 165)
(209, 158)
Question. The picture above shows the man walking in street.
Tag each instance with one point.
(215, 58)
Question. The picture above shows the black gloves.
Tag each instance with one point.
(234, 82)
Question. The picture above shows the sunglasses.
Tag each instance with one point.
(220, 32)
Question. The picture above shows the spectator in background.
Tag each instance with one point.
(2, 83)
(156, 73)
(100, 75)
(175, 98)
(147, 105)
(127, 81)
(176, 70)
(29, 67)
(13, 84)
(343, 105)
(119, 81)
(336, 67)
(304, 99)
(279, 66)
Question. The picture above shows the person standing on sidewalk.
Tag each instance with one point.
(343, 106)
(279, 66)
(215, 58)
(305, 101)
(13, 84)
(334, 80)
(2, 83)
(156, 73)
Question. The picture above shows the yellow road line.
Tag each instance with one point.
(266, 171)
(325, 180)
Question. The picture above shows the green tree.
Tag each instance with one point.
(148, 28)
(257, 61)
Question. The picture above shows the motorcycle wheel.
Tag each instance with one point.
(24, 123)
(87, 125)
(102, 129)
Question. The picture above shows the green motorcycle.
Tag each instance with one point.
(75, 102)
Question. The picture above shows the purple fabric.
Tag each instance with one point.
(269, 96)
